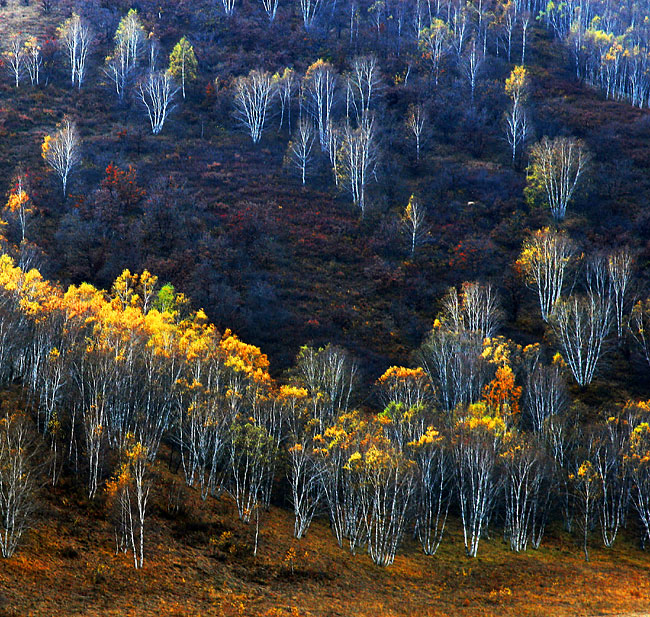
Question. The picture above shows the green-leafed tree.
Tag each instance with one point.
(182, 62)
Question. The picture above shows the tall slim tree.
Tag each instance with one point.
(253, 96)
(62, 151)
(415, 223)
(156, 90)
(182, 63)
(556, 167)
(76, 37)
(358, 160)
(300, 148)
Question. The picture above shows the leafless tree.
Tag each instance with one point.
(416, 119)
(157, 90)
(229, 7)
(475, 309)
(253, 96)
(118, 68)
(620, 274)
(545, 394)
(471, 64)
(524, 471)
(357, 159)
(18, 480)
(270, 8)
(454, 365)
(15, 57)
(526, 18)
(334, 137)
(610, 442)
(309, 9)
(287, 84)
(582, 324)
(364, 82)
(556, 167)
(517, 129)
(299, 151)
(330, 375)
(62, 151)
(76, 38)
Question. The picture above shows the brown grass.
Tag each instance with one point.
(200, 562)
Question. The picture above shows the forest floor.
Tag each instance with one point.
(199, 561)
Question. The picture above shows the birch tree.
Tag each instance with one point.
(62, 151)
(582, 324)
(640, 326)
(586, 486)
(433, 489)
(18, 481)
(300, 148)
(364, 82)
(129, 490)
(183, 63)
(320, 90)
(476, 444)
(118, 68)
(415, 223)
(544, 260)
(619, 266)
(252, 454)
(556, 167)
(253, 96)
(358, 160)
(475, 310)
(471, 64)
(14, 57)
(76, 37)
(130, 35)
(523, 469)
(544, 395)
(434, 44)
(516, 118)
(454, 364)
(229, 7)
(157, 90)
(287, 84)
(270, 8)
(18, 204)
(610, 443)
(303, 470)
(330, 376)
(309, 10)
(33, 59)
(416, 119)
(386, 486)
(638, 466)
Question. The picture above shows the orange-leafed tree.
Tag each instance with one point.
(19, 205)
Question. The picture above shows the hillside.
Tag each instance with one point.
(324, 308)
(200, 563)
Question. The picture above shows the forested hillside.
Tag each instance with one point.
(317, 307)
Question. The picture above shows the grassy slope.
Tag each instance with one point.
(68, 567)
